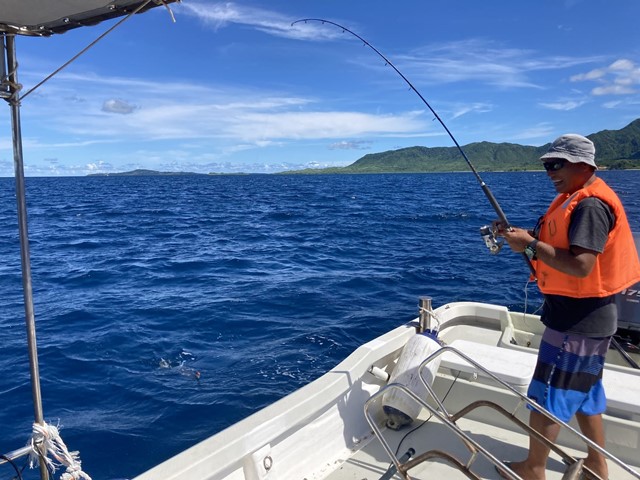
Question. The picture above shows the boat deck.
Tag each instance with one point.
(499, 436)
(371, 462)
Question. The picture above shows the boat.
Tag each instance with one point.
(473, 418)
(442, 396)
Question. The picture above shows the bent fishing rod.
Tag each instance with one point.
(485, 188)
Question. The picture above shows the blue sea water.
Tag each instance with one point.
(256, 284)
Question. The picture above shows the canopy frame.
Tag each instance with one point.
(10, 91)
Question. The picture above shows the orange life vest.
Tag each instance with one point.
(616, 268)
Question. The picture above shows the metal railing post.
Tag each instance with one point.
(424, 322)
(9, 47)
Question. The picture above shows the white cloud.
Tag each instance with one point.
(479, 60)
(116, 105)
(612, 104)
(99, 167)
(621, 77)
(350, 145)
(191, 111)
(565, 106)
(471, 108)
(613, 90)
(219, 15)
(317, 125)
(182, 121)
(465, 60)
(592, 75)
(540, 131)
(622, 65)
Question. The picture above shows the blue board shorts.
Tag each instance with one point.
(568, 375)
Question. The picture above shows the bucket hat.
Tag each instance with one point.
(573, 148)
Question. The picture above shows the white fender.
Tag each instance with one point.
(398, 407)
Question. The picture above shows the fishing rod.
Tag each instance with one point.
(487, 232)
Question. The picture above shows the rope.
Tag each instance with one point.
(46, 440)
(166, 5)
(432, 313)
(6, 84)
(11, 86)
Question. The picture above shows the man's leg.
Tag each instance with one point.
(533, 468)
(592, 427)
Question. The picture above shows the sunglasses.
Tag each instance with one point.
(554, 165)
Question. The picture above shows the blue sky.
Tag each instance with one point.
(233, 87)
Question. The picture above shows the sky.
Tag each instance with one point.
(235, 87)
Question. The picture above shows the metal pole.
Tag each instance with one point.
(424, 322)
(14, 104)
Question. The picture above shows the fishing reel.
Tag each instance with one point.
(489, 236)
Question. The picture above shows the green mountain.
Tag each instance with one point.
(615, 149)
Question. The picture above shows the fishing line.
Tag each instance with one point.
(485, 188)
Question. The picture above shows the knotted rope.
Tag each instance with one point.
(46, 441)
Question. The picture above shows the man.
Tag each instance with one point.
(583, 252)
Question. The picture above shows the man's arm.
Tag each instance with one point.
(591, 222)
(576, 261)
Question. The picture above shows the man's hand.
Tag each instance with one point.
(517, 238)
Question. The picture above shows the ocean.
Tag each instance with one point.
(169, 307)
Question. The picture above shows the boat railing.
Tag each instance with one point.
(36, 448)
(449, 420)
(11, 457)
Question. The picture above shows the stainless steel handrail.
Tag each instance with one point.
(15, 454)
(403, 468)
(440, 412)
(524, 399)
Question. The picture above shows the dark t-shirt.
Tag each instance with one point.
(589, 228)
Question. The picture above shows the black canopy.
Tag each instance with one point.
(46, 17)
